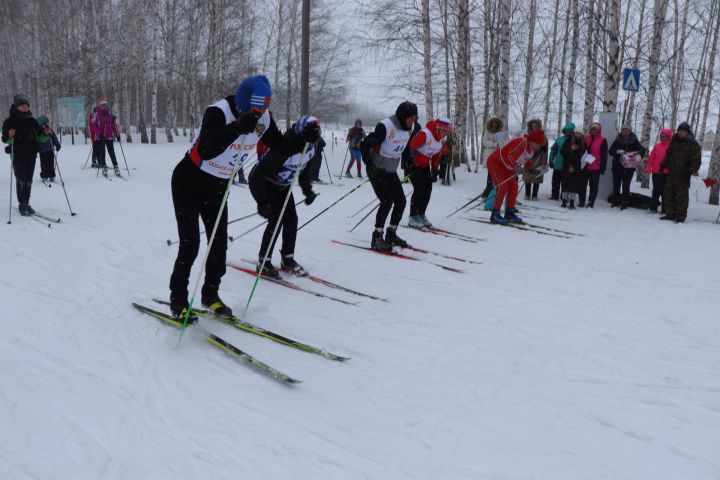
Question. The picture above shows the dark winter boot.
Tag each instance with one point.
(572, 205)
(268, 271)
(564, 204)
(511, 215)
(116, 170)
(179, 308)
(348, 174)
(667, 217)
(104, 172)
(241, 177)
(378, 242)
(392, 238)
(211, 301)
(581, 204)
(359, 175)
(289, 265)
(498, 219)
(24, 209)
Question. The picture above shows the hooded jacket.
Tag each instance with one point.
(539, 158)
(103, 125)
(493, 138)
(370, 146)
(25, 142)
(556, 157)
(658, 153)
(354, 137)
(418, 159)
(684, 156)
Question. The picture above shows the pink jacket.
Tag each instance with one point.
(103, 125)
(658, 153)
(594, 146)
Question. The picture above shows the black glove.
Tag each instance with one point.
(310, 197)
(264, 210)
(117, 138)
(245, 123)
(57, 149)
(311, 133)
(434, 174)
(8, 150)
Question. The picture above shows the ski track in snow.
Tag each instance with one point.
(588, 357)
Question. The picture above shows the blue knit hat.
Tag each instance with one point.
(254, 91)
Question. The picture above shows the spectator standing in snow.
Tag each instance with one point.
(626, 151)
(532, 174)
(355, 135)
(106, 131)
(682, 159)
(445, 159)
(47, 140)
(21, 131)
(556, 159)
(493, 139)
(597, 147)
(572, 152)
(657, 155)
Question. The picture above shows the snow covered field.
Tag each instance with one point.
(590, 357)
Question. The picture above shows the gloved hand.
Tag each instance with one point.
(245, 123)
(311, 133)
(310, 197)
(117, 138)
(264, 210)
(57, 149)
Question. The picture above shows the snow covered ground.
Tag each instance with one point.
(591, 357)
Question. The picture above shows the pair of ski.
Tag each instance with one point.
(393, 253)
(294, 286)
(449, 234)
(45, 220)
(246, 327)
(531, 227)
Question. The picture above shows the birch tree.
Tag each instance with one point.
(427, 60)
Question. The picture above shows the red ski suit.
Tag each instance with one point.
(501, 165)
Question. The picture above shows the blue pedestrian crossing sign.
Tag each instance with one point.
(631, 79)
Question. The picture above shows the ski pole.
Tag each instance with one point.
(62, 182)
(334, 203)
(371, 211)
(475, 198)
(364, 207)
(88, 157)
(171, 242)
(12, 154)
(128, 168)
(276, 229)
(344, 160)
(328, 167)
(233, 238)
(236, 167)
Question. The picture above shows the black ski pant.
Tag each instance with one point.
(488, 186)
(591, 178)
(99, 149)
(24, 169)
(47, 165)
(288, 223)
(658, 182)
(531, 189)
(389, 191)
(197, 194)
(421, 180)
(556, 183)
(622, 177)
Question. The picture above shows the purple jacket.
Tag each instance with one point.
(103, 125)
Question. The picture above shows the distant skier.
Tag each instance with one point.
(21, 132)
(382, 152)
(355, 135)
(229, 130)
(426, 147)
(47, 140)
(270, 181)
(106, 131)
(504, 164)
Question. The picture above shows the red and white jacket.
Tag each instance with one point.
(427, 145)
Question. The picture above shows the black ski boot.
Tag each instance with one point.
(179, 309)
(268, 270)
(240, 179)
(211, 301)
(105, 172)
(116, 170)
(289, 265)
(24, 209)
(379, 243)
(572, 205)
(392, 238)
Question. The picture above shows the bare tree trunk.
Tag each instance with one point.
(612, 72)
(278, 45)
(660, 10)
(446, 47)
(529, 68)
(638, 52)
(709, 84)
(154, 94)
(714, 169)
(427, 64)
(288, 106)
(504, 112)
(461, 78)
(573, 62)
(678, 67)
(561, 73)
(590, 67)
(551, 66)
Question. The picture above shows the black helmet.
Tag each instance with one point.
(404, 111)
